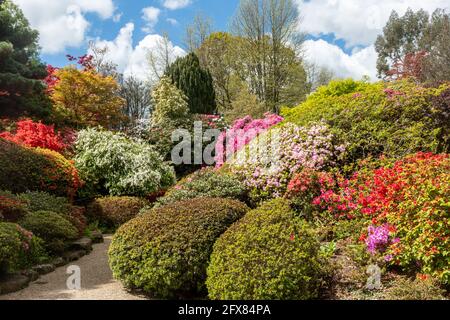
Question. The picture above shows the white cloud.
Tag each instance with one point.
(151, 17)
(362, 62)
(355, 21)
(62, 23)
(133, 60)
(176, 4)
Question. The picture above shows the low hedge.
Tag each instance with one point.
(166, 251)
(267, 255)
(115, 211)
(27, 169)
(52, 227)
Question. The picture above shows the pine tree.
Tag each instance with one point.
(21, 89)
(195, 82)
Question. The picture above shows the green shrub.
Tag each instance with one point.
(166, 251)
(207, 182)
(27, 169)
(52, 227)
(18, 248)
(43, 201)
(394, 119)
(11, 207)
(113, 164)
(269, 254)
(115, 211)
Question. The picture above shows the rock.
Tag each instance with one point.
(74, 255)
(33, 275)
(12, 283)
(44, 268)
(97, 237)
(59, 262)
(82, 244)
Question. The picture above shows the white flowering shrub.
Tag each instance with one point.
(114, 163)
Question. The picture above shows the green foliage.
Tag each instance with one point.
(25, 169)
(113, 164)
(394, 119)
(268, 254)
(114, 211)
(207, 182)
(166, 251)
(52, 227)
(43, 201)
(196, 83)
(20, 68)
(18, 248)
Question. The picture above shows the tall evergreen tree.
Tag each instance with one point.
(195, 82)
(21, 90)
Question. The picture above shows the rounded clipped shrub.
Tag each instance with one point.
(11, 207)
(267, 255)
(52, 227)
(115, 211)
(43, 201)
(18, 248)
(27, 169)
(166, 251)
(207, 182)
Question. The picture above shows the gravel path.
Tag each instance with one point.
(97, 282)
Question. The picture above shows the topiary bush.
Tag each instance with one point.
(43, 201)
(113, 164)
(11, 207)
(206, 182)
(395, 118)
(27, 169)
(267, 255)
(115, 211)
(52, 227)
(166, 251)
(19, 248)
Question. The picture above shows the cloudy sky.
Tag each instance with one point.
(341, 33)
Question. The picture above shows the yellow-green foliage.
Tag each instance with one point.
(395, 118)
(166, 251)
(268, 254)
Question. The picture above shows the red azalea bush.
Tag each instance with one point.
(36, 134)
(410, 198)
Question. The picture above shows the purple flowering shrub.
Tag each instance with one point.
(270, 161)
(379, 239)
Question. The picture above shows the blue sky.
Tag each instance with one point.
(341, 33)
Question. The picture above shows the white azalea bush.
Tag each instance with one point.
(113, 163)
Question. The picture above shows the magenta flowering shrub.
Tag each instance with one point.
(240, 134)
(271, 160)
(379, 239)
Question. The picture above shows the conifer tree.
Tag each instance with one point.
(195, 82)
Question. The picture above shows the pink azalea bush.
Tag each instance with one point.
(270, 161)
(240, 134)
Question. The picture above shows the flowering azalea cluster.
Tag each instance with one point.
(240, 134)
(36, 134)
(412, 197)
(379, 239)
(271, 160)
